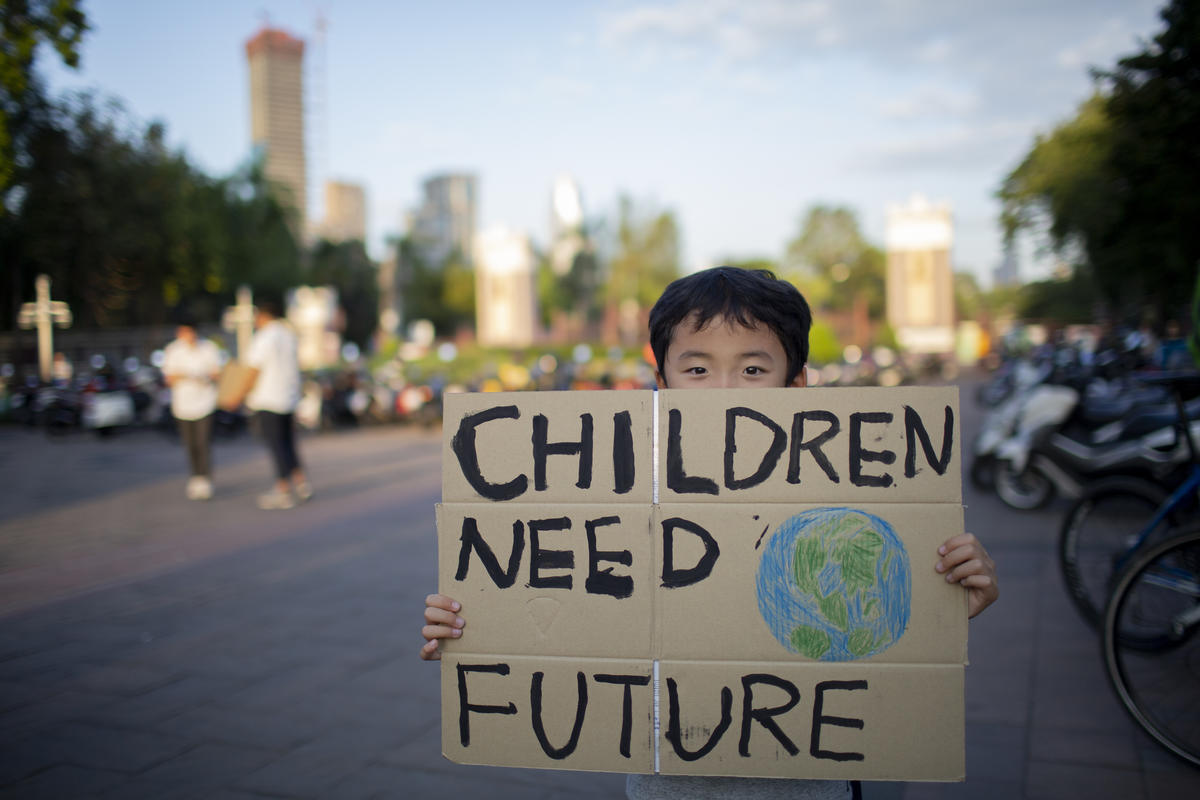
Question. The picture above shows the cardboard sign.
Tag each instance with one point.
(706, 583)
(231, 384)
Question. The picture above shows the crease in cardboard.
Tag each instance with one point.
(655, 643)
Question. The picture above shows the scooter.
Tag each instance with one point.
(1058, 446)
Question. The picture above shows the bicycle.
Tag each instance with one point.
(1116, 516)
(1156, 674)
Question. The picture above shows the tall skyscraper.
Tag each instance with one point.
(276, 62)
(445, 222)
(920, 286)
(345, 212)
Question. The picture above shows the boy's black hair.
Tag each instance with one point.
(749, 297)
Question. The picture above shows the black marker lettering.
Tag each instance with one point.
(813, 445)
(673, 578)
(819, 719)
(623, 457)
(674, 734)
(465, 708)
(540, 559)
(463, 444)
(542, 449)
(628, 681)
(764, 716)
(769, 459)
(535, 702)
(859, 454)
(471, 540)
(602, 581)
(677, 479)
(914, 429)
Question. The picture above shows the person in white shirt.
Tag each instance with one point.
(272, 391)
(191, 366)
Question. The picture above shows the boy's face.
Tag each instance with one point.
(725, 355)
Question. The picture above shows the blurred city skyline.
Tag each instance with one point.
(736, 116)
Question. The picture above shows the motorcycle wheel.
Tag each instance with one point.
(1023, 491)
(983, 472)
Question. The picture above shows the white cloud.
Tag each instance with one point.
(931, 101)
(1098, 48)
(952, 147)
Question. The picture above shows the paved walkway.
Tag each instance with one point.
(151, 647)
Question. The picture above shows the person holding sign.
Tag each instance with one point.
(730, 328)
(271, 389)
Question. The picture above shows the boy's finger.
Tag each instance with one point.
(436, 616)
(965, 569)
(440, 632)
(955, 556)
(443, 602)
(430, 651)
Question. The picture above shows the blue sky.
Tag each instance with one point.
(736, 115)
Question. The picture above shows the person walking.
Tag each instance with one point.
(190, 367)
(271, 390)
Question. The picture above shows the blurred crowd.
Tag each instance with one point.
(406, 388)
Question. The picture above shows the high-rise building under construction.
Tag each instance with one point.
(277, 115)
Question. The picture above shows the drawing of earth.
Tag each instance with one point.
(834, 585)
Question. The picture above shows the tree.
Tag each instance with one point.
(836, 262)
(346, 267)
(128, 230)
(1115, 189)
(24, 26)
(646, 257)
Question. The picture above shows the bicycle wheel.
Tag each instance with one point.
(1099, 531)
(1159, 687)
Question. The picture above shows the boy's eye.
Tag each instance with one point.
(754, 370)
(695, 370)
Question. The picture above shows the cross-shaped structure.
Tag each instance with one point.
(44, 314)
(240, 318)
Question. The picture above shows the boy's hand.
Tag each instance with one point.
(441, 622)
(965, 562)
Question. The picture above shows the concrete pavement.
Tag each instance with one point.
(152, 647)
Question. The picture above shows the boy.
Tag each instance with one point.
(733, 328)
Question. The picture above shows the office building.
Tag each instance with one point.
(444, 224)
(276, 61)
(920, 286)
(345, 212)
(505, 295)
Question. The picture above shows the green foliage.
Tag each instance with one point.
(823, 345)
(346, 267)
(837, 262)
(1114, 189)
(968, 298)
(127, 229)
(647, 255)
(1072, 300)
(444, 294)
(24, 26)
